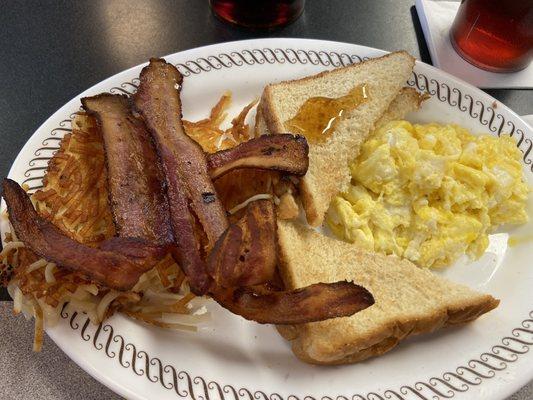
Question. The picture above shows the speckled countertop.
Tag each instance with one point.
(50, 374)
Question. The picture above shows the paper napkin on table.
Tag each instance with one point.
(436, 18)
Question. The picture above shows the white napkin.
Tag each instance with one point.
(436, 18)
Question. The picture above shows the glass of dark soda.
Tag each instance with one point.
(258, 14)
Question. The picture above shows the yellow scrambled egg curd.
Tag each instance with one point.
(430, 193)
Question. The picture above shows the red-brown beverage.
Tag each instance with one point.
(496, 35)
(262, 14)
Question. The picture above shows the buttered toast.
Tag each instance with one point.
(328, 173)
(406, 101)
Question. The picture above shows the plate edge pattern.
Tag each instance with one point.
(473, 374)
(477, 370)
(465, 103)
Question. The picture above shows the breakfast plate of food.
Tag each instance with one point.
(279, 219)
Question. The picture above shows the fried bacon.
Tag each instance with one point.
(245, 255)
(112, 269)
(196, 208)
(159, 102)
(282, 152)
(136, 249)
(239, 185)
(136, 186)
(235, 264)
(192, 197)
(312, 303)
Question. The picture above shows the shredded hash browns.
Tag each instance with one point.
(75, 198)
(208, 133)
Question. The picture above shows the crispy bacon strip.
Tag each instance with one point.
(245, 255)
(237, 186)
(282, 152)
(194, 204)
(136, 184)
(107, 267)
(313, 303)
(191, 194)
(136, 249)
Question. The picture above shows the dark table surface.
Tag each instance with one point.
(53, 50)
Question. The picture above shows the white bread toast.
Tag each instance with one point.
(328, 171)
(408, 100)
(408, 300)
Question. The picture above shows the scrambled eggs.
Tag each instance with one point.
(430, 193)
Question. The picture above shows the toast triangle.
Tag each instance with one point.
(408, 300)
(328, 171)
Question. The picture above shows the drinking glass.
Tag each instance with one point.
(262, 14)
(496, 35)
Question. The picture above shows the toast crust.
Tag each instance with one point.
(408, 100)
(390, 336)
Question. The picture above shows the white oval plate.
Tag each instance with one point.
(233, 359)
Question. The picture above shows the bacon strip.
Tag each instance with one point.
(281, 152)
(192, 197)
(245, 255)
(194, 204)
(313, 303)
(136, 249)
(109, 268)
(136, 184)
